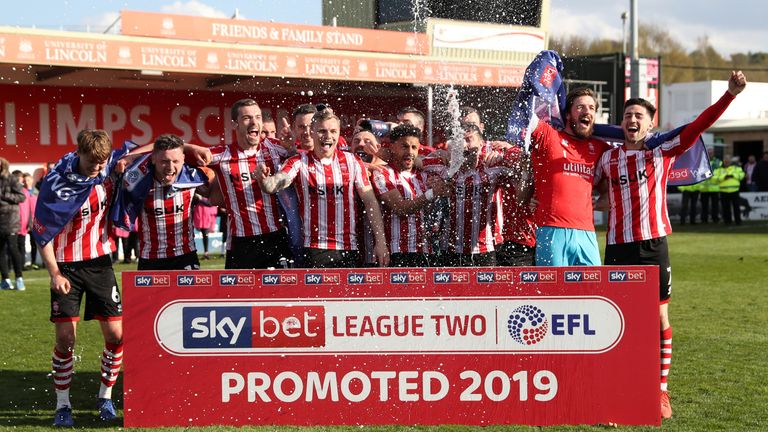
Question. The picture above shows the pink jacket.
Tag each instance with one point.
(26, 212)
(204, 216)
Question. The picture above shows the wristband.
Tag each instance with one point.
(429, 194)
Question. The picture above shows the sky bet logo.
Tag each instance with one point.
(407, 278)
(450, 277)
(365, 278)
(194, 280)
(236, 279)
(236, 327)
(152, 280)
(322, 278)
(495, 277)
(279, 279)
(583, 276)
(626, 276)
(548, 276)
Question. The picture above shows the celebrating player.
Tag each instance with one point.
(404, 192)
(326, 181)
(638, 222)
(74, 237)
(258, 237)
(159, 188)
(563, 166)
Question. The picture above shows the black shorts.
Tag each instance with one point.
(410, 259)
(645, 252)
(258, 252)
(188, 261)
(511, 254)
(331, 258)
(95, 279)
(486, 259)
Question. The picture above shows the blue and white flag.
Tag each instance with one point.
(542, 98)
(690, 167)
(63, 191)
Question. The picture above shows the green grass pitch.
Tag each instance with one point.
(719, 312)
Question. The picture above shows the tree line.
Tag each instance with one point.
(703, 63)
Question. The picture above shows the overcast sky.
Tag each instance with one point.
(731, 26)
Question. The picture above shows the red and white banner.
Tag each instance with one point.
(132, 53)
(476, 346)
(40, 124)
(134, 23)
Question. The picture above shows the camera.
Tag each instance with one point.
(376, 127)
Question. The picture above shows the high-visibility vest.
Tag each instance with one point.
(690, 188)
(712, 184)
(732, 183)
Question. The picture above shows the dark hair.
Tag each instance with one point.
(578, 92)
(643, 103)
(167, 142)
(266, 116)
(303, 110)
(241, 103)
(412, 110)
(404, 130)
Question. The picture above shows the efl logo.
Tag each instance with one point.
(626, 276)
(548, 76)
(194, 280)
(160, 280)
(279, 279)
(583, 276)
(216, 327)
(365, 278)
(495, 277)
(547, 276)
(527, 325)
(450, 277)
(237, 279)
(322, 279)
(407, 278)
(288, 326)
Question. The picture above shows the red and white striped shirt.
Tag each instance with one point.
(250, 211)
(405, 234)
(637, 181)
(88, 235)
(473, 210)
(326, 191)
(165, 226)
(637, 187)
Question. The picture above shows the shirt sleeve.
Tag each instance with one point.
(291, 167)
(360, 180)
(381, 182)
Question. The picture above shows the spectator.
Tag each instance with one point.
(204, 218)
(749, 171)
(11, 195)
(729, 178)
(30, 191)
(710, 191)
(760, 174)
